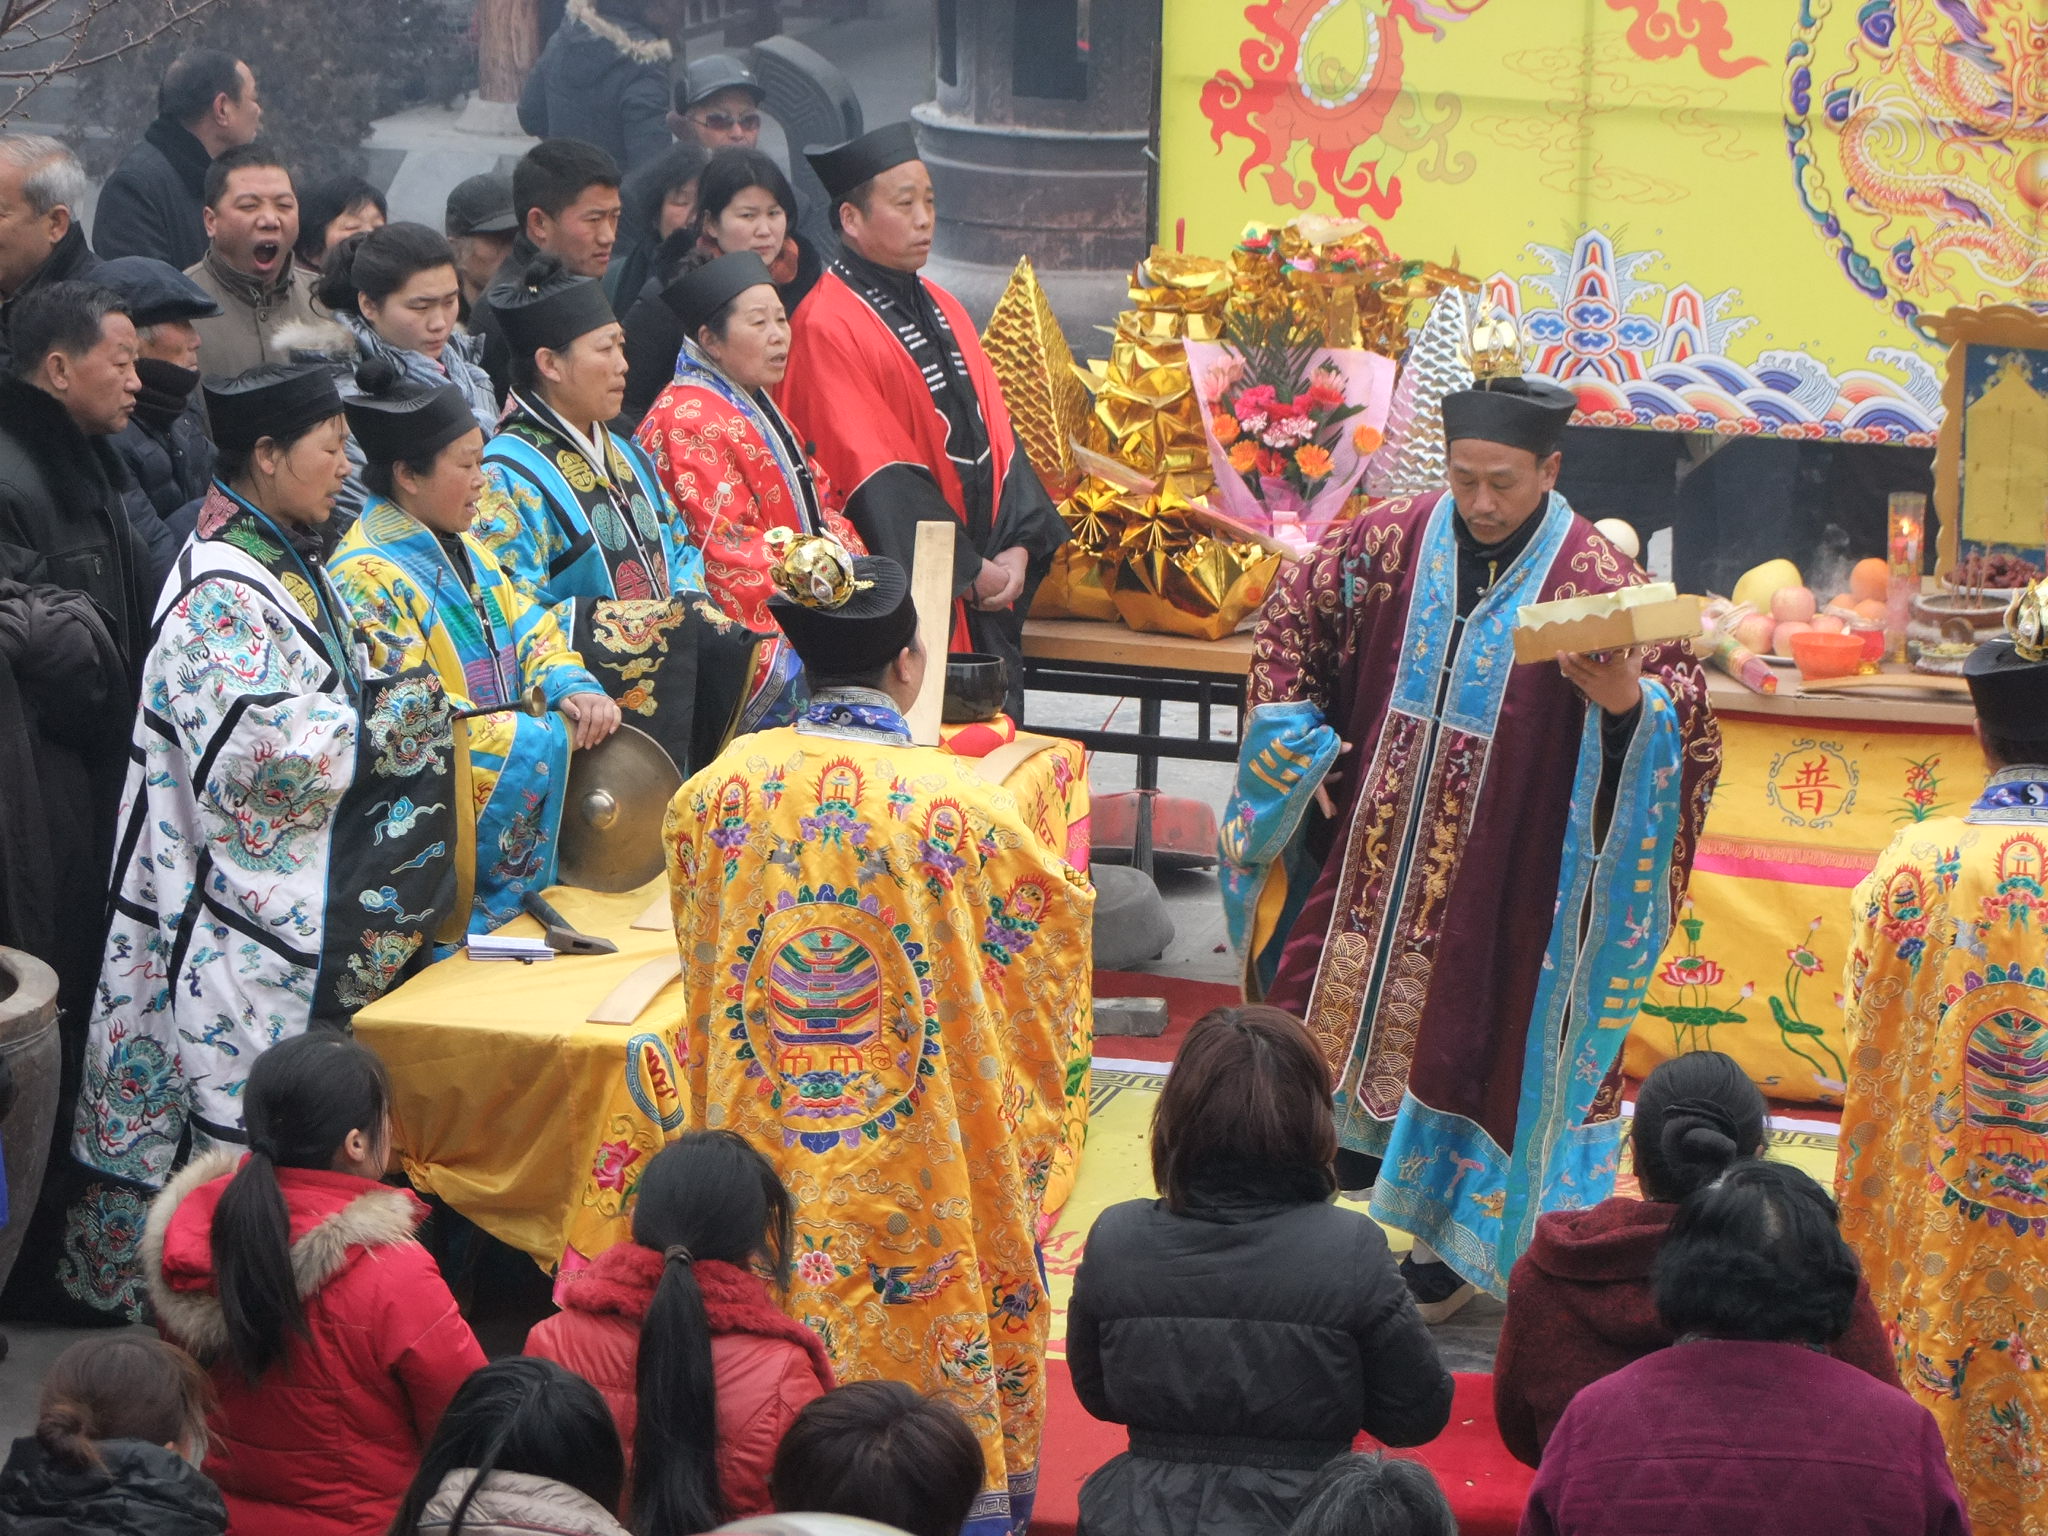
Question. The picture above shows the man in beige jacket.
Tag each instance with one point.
(252, 221)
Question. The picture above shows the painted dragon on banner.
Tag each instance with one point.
(1918, 131)
(1327, 74)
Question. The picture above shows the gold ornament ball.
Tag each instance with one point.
(2031, 178)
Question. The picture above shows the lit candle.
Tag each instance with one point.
(1906, 516)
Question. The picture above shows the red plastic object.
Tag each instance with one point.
(1183, 829)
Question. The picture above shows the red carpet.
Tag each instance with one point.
(1486, 1486)
(1186, 1001)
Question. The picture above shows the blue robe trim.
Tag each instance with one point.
(1482, 664)
(1446, 1181)
(1286, 752)
(582, 570)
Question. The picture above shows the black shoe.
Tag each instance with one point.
(1440, 1292)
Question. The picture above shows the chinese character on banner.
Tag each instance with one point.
(1812, 783)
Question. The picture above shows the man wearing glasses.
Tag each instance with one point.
(718, 103)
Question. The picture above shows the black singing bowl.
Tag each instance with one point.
(976, 687)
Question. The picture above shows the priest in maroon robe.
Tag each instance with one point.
(1475, 917)
(896, 400)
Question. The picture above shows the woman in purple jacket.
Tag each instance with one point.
(1746, 1423)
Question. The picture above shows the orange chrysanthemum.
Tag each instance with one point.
(1226, 429)
(1244, 454)
(1313, 460)
(1366, 439)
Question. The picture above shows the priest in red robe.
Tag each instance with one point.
(890, 388)
(1476, 915)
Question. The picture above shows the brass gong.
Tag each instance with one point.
(618, 793)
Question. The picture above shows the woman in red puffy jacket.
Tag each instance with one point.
(332, 1341)
(679, 1333)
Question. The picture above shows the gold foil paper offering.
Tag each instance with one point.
(1178, 579)
(1048, 405)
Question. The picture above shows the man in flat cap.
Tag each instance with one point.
(1468, 924)
(886, 982)
(888, 383)
(1943, 1172)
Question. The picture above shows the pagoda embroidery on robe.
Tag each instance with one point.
(886, 981)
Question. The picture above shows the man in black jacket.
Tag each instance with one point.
(566, 195)
(42, 241)
(603, 78)
(164, 447)
(151, 205)
(74, 622)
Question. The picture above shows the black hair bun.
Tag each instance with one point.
(376, 375)
(542, 270)
(1694, 1142)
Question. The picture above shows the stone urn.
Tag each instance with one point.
(29, 1052)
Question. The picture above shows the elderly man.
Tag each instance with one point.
(1503, 851)
(252, 223)
(165, 446)
(887, 377)
(885, 981)
(480, 224)
(153, 205)
(74, 620)
(41, 238)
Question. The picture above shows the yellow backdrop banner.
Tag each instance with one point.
(1710, 215)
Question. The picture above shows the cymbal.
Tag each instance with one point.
(618, 793)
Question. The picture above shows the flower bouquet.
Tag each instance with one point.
(1290, 426)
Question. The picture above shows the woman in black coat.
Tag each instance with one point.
(1244, 1327)
(120, 1432)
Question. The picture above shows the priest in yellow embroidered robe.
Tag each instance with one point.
(1943, 1171)
(886, 983)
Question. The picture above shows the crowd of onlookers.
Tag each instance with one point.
(1704, 1359)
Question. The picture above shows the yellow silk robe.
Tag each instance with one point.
(886, 981)
(1944, 1151)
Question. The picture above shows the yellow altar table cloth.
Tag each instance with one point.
(1812, 790)
(536, 1124)
(506, 1104)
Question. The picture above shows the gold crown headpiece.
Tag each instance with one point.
(813, 569)
(1494, 348)
(2026, 621)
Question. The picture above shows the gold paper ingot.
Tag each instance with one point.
(1083, 573)
(1178, 580)
(1048, 406)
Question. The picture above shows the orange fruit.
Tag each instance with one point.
(1871, 579)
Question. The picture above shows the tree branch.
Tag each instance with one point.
(19, 30)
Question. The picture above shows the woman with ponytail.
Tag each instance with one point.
(395, 291)
(293, 1275)
(1580, 1301)
(120, 1430)
(525, 1449)
(678, 1331)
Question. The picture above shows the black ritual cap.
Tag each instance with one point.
(845, 166)
(702, 291)
(276, 400)
(396, 418)
(1523, 413)
(548, 306)
(860, 635)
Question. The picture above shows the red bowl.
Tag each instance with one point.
(1820, 656)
